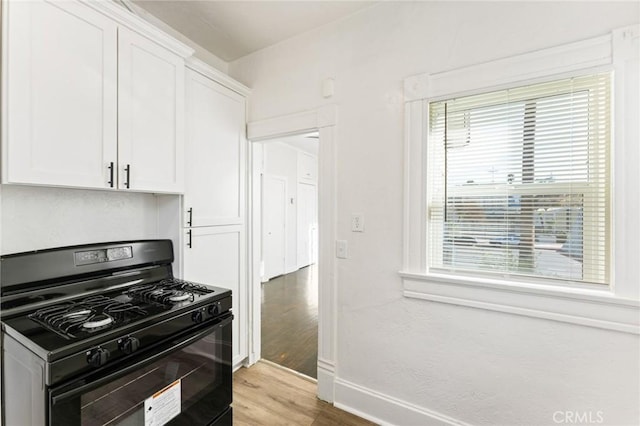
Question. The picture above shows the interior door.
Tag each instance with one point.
(274, 198)
(307, 224)
(61, 63)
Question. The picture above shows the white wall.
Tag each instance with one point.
(39, 217)
(472, 365)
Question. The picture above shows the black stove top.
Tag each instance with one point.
(70, 326)
(90, 315)
(85, 317)
(168, 292)
(65, 301)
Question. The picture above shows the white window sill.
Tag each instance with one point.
(592, 308)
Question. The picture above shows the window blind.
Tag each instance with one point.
(519, 181)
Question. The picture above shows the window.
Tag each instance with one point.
(521, 184)
(518, 181)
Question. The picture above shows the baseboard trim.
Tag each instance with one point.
(384, 409)
(238, 362)
(326, 380)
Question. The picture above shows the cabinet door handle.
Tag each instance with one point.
(189, 243)
(110, 174)
(190, 221)
(127, 170)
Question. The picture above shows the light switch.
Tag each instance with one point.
(341, 249)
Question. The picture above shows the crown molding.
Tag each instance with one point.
(135, 23)
(218, 76)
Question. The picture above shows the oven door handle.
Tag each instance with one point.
(168, 348)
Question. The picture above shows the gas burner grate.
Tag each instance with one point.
(87, 315)
(168, 292)
(177, 284)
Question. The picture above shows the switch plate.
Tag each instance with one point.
(357, 222)
(341, 249)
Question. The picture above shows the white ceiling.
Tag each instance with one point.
(232, 29)
(307, 142)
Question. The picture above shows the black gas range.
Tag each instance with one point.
(104, 334)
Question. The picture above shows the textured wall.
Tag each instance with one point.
(477, 366)
(39, 217)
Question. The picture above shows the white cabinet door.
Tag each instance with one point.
(217, 257)
(215, 153)
(150, 114)
(60, 88)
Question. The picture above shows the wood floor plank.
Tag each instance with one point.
(332, 416)
(267, 395)
(280, 401)
(290, 320)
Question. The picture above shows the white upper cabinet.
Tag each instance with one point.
(93, 97)
(150, 114)
(59, 85)
(215, 153)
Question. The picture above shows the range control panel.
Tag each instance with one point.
(90, 257)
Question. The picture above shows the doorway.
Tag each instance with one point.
(324, 121)
(289, 217)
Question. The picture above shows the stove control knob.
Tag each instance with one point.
(129, 345)
(197, 317)
(214, 309)
(98, 357)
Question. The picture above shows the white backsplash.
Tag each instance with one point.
(41, 217)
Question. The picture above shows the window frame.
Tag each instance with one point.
(434, 150)
(614, 307)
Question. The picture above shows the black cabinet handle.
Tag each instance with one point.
(190, 242)
(110, 174)
(127, 170)
(190, 221)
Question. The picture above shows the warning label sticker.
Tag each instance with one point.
(163, 405)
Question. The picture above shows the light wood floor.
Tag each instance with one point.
(290, 320)
(264, 394)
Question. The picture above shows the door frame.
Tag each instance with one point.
(324, 121)
(284, 218)
(298, 208)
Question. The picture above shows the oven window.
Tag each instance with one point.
(196, 381)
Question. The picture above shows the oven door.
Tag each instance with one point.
(186, 381)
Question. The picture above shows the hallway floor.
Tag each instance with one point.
(290, 320)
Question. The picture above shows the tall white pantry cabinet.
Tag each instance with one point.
(215, 248)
